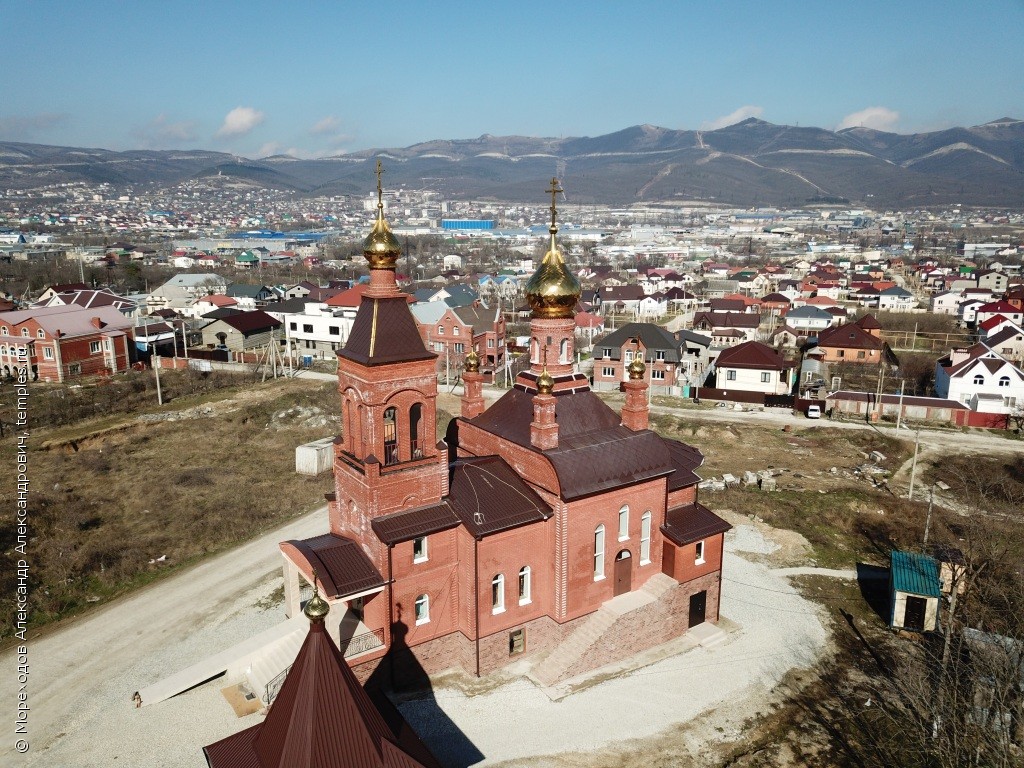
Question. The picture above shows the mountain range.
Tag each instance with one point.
(751, 163)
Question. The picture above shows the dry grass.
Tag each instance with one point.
(179, 490)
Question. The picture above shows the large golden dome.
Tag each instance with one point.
(552, 291)
(381, 247)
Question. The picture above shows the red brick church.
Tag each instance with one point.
(524, 524)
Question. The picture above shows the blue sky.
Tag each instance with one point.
(314, 79)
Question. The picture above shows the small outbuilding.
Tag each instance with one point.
(914, 589)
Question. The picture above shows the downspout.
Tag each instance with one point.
(476, 599)
(56, 354)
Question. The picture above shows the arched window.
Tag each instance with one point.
(563, 351)
(534, 351)
(422, 609)
(524, 585)
(1004, 381)
(624, 523)
(415, 414)
(979, 379)
(599, 553)
(645, 538)
(24, 331)
(390, 437)
(498, 593)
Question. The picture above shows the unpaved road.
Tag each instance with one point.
(69, 662)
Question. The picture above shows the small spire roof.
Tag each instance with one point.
(552, 291)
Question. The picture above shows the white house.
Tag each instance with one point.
(896, 299)
(182, 290)
(980, 378)
(753, 367)
(809, 319)
(945, 303)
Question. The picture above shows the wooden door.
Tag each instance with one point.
(913, 617)
(698, 608)
(623, 572)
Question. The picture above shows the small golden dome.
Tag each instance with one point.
(545, 383)
(381, 247)
(636, 369)
(316, 607)
(552, 291)
(472, 362)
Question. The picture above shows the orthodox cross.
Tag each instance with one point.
(380, 188)
(554, 190)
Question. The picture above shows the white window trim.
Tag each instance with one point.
(645, 541)
(624, 530)
(499, 606)
(699, 559)
(527, 595)
(426, 551)
(599, 553)
(47, 353)
(426, 612)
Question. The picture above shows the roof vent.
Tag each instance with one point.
(478, 518)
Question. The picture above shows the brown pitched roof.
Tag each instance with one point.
(727, 319)
(595, 453)
(692, 522)
(412, 523)
(322, 718)
(686, 459)
(488, 496)
(848, 336)
(752, 354)
(250, 322)
(341, 565)
(384, 331)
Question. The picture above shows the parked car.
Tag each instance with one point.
(813, 411)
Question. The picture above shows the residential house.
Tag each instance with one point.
(459, 329)
(251, 296)
(64, 342)
(994, 308)
(944, 303)
(672, 359)
(980, 378)
(184, 289)
(89, 298)
(896, 299)
(808, 320)
(754, 367)
(619, 300)
(243, 331)
(857, 342)
(1009, 343)
(727, 328)
(210, 302)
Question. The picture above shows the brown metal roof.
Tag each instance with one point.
(488, 496)
(595, 452)
(692, 522)
(384, 331)
(251, 322)
(322, 718)
(341, 565)
(752, 354)
(408, 524)
(686, 459)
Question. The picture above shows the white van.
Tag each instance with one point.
(813, 411)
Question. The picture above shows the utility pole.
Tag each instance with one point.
(156, 370)
(899, 413)
(913, 465)
(928, 519)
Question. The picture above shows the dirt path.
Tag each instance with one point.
(71, 661)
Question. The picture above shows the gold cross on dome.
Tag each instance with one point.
(380, 188)
(554, 190)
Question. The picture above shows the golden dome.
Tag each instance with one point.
(545, 383)
(552, 291)
(316, 608)
(381, 247)
(472, 362)
(636, 368)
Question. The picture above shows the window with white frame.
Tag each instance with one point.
(1004, 381)
(490, 343)
(607, 372)
(765, 377)
(4, 331)
(659, 354)
(94, 347)
(658, 375)
(422, 609)
(524, 585)
(645, 538)
(455, 330)
(459, 348)
(979, 379)
(47, 353)
(419, 549)
(698, 553)
(599, 553)
(41, 333)
(624, 522)
(440, 329)
(730, 375)
(24, 331)
(607, 352)
(498, 593)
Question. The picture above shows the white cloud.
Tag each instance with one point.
(30, 127)
(240, 121)
(268, 149)
(328, 125)
(879, 118)
(733, 117)
(163, 133)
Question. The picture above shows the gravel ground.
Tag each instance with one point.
(779, 630)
